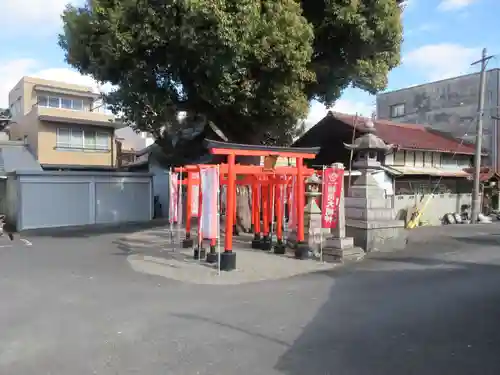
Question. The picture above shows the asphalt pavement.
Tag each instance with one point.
(72, 305)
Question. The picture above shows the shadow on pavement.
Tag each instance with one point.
(401, 316)
(94, 230)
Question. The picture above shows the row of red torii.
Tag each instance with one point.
(266, 179)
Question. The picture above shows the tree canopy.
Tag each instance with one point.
(248, 66)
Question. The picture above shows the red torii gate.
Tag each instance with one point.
(253, 172)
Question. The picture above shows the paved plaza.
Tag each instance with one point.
(153, 252)
(75, 304)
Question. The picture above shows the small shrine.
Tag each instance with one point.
(370, 217)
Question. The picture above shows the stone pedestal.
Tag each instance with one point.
(370, 217)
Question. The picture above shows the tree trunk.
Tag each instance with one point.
(244, 199)
(243, 209)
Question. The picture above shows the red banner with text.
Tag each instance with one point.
(333, 178)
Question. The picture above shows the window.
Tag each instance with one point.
(448, 160)
(54, 102)
(399, 158)
(428, 159)
(59, 102)
(77, 139)
(77, 104)
(43, 101)
(436, 159)
(66, 103)
(398, 110)
(102, 141)
(410, 158)
(63, 138)
(419, 159)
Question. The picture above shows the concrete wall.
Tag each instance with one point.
(449, 195)
(12, 201)
(449, 105)
(438, 206)
(3, 196)
(62, 199)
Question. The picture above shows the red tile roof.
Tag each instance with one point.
(485, 174)
(411, 136)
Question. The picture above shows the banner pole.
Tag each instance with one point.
(200, 215)
(179, 208)
(171, 205)
(272, 214)
(285, 207)
(218, 220)
(321, 226)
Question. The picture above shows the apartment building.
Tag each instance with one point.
(64, 124)
(449, 105)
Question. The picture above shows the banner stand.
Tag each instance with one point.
(218, 221)
(321, 227)
(331, 190)
(272, 217)
(179, 207)
(171, 208)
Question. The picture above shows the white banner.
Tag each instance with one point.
(209, 181)
(195, 198)
(292, 206)
(173, 200)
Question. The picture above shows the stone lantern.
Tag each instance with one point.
(313, 188)
(368, 148)
(312, 216)
(370, 217)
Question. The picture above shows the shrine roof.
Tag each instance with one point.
(261, 150)
(410, 136)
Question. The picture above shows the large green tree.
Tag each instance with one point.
(250, 67)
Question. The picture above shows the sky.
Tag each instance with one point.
(441, 39)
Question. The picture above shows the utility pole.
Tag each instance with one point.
(476, 200)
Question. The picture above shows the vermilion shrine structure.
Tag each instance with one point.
(266, 179)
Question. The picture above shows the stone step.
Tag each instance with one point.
(352, 254)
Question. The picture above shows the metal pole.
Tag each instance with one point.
(322, 214)
(272, 215)
(352, 151)
(179, 207)
(171, 206)
(476, 204)
(218, 220)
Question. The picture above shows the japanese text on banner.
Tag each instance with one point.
(333, 179)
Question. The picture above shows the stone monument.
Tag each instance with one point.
(337, 246)
(370, 217)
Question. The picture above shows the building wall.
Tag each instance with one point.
(438, 196)
(29, 116)
(26, 126)
(49, 154)
(24, 93)
(63, 199)
(450, 105)
(428, 159)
